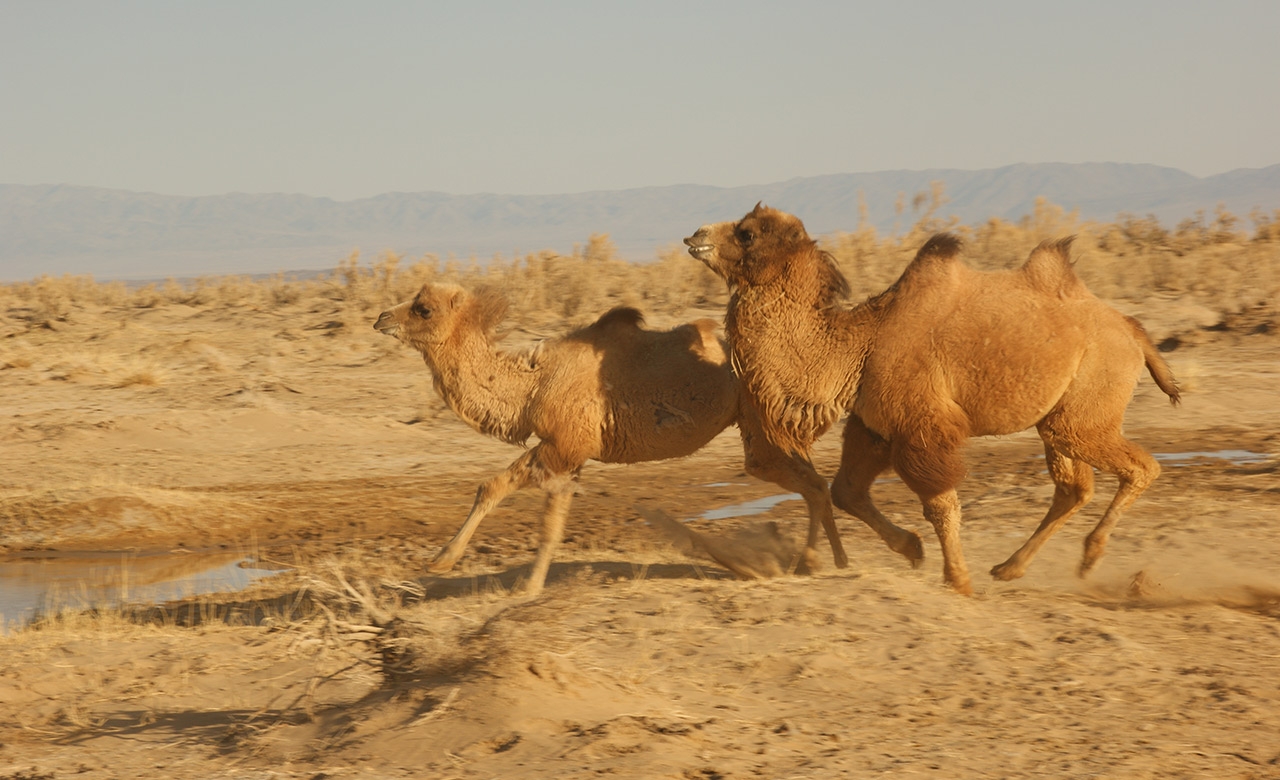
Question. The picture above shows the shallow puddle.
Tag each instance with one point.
(1237, 457)
(747, 508)
(47, 583)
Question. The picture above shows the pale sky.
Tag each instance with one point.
(353, 99)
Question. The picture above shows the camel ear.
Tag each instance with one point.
(456, 299)
(759, 209)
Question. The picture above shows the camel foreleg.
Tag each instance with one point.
(797, 474)
(943, 513)
(864, 457)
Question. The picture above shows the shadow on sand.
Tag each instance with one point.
(299, 604)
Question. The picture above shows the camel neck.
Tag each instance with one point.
(800, 360)
(488, 389)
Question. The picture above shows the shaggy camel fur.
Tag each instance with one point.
(612, 391)
(946, 353)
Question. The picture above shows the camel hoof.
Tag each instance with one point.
(440, 566)
(913, 550)
(842, 560)
(1006, 571)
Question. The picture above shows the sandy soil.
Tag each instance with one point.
(300, 436)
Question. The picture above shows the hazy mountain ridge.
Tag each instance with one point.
(58, 229)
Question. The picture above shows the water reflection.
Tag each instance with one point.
(754, 507)
(1238, 457)
(47, 583)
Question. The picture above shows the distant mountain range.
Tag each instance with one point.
(114, 234)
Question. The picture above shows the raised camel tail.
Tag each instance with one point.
(1159, 369)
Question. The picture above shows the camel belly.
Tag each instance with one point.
(663, 432)
(994, 377)
(662, 425)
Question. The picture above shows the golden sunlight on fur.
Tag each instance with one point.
(613, 392)
(946, 353)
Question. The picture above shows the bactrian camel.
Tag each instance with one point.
(946, 353)
(613, 391)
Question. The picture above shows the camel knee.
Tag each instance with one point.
(847, 496)
(786, 472)
(928, 469)
(1074, 494)
(1148, 474)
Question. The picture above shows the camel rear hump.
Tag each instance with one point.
(707, 342)
(1049, 270)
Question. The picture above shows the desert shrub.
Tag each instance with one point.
(1266, 227)
(1212, 260)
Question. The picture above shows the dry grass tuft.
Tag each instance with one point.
(1211, 261)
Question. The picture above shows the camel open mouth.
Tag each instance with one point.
(698, 249)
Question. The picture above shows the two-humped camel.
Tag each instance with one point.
(946, 353)
(613, 391)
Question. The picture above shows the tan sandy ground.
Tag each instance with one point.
(302, 435)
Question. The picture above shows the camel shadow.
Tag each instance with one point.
(300, 603)
(223, 730)
(435, 588)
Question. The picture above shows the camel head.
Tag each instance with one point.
(439, 312)
(764, 246)
(752, 251)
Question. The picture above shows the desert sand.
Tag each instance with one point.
(296, 436)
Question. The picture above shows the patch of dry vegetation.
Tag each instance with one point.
(345, 658)
(1210, 261)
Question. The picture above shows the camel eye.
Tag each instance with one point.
(421, 311)
(745, 237)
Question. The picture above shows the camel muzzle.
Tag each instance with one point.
(698, 244)
(387, 324)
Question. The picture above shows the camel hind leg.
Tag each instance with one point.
(1073, 487)
(531, 468)
(1105, 448)
(559, 496)
(866, 456)
(1137, 470)
(766, 461)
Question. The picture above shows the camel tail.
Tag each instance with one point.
(1156, 365)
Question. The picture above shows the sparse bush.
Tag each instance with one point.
(1211, 260)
